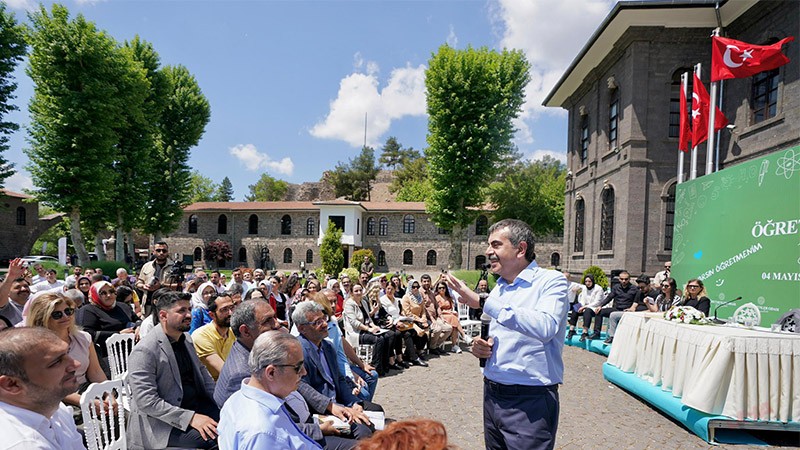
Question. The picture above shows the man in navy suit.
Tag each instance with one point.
(320, 358)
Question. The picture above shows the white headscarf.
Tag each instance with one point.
(197, 296)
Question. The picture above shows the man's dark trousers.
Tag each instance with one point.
(519, 417)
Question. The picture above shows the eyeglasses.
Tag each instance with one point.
(55, 315)
(108, 293)
(442, 288)
(667, 267)
(693, 286)
(318, 322)
(415, 287)
(296, 367)
(665, 286)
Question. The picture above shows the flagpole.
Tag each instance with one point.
(685, 88)
(693, 160)
(716, 152)
(712, 112)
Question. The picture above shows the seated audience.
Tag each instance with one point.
(358, 322)
(382, 319)
(667, 298)
(172, 403)
(56, 312)
(83, 284)
(127, 295)
(646, 293)
(623, 294)
(590, 298)
(449, 312)
(440, 330)
(50, 282)
(36, 372)
(14, 292)
(200, 299)
(696, 297)
(413, 306)
(213, 341)
(405, 329)
(276, 365)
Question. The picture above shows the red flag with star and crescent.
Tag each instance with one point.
(736, 59)
(700, 113)
(685, 132)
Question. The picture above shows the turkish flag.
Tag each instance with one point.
(685, 132)
(700, 113)
(737, 59)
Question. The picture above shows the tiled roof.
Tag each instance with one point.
(14, 194)
(250, 206)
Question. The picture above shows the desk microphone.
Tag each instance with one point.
(485, 321)
(716, 319)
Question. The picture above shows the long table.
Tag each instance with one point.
(735, 372)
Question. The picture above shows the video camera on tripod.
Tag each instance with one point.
(178, 268)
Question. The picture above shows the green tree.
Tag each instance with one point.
(267, 189)
(473, 95)
(354, 179)
(532, 191)
(391, 153)
(358, 257)
(181, 125)
(12, 50)
(600, 278)
(201, 188)
(410, 182)
(76, 109)
(330, 250)
(224, 191)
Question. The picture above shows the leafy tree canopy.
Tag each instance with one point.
(201, 188)
(267, 189)
(354, 179)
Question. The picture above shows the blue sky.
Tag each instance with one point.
(290, 82)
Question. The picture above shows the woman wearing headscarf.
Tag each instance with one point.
(83, 283)
(200, 299)
(104, 316)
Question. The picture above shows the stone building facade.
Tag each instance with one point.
(400, 234)
(20, 224)
(622, 97)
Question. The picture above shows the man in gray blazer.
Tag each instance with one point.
(172, 391)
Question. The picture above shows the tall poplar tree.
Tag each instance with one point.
(182, 123)
(473, 95)
(12, 49)
(80, 98)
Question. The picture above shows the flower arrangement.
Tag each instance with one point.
(686, 314)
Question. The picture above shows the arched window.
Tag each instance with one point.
(481, 225)
(222, 224)
(607, 219)
(555, 259)
(310, 226)
(252, 224)
(383, 227)
(408, 224)
(580, 221)
(669, 217)
(198, 254)
(675, 101)
(309, 256)
(286, 224)
(480, 260)
(371, 226)
(22, 216)
(613, 120)
(193, 224)
(430, 258)
(381, 258)
(408, 257)
(242, 254)
(287, 256)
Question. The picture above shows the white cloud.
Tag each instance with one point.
(360, 94)
(550, 34)
(541, 153)
(452, 39)
(88, 2)
(19, 182)
(28, 5)
(254, 160)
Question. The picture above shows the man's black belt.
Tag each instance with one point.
(516, 389)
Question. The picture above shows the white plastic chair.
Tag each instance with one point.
(119, 348)
(105, 429)
(471, 327)
(747, 314)
(364, 351)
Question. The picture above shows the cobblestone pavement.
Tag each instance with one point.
(595, 414)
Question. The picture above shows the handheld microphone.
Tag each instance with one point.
(716, 319)
(485, 321)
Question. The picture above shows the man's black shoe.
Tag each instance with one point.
(404, 364)
(570, 334)
(608, 340)
(584, 336)
(395, 367)
(419, 362)
(594, 336)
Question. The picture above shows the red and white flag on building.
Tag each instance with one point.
(736, 59)
(685, 133)
(700, 113)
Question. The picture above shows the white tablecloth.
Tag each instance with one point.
(734, 372)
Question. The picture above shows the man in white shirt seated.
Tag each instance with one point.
(51, 282)
(276, 366)
(35, 374)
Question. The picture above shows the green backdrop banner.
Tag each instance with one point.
(738, 231)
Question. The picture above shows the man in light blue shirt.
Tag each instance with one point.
(524, 366)
(276, 366)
